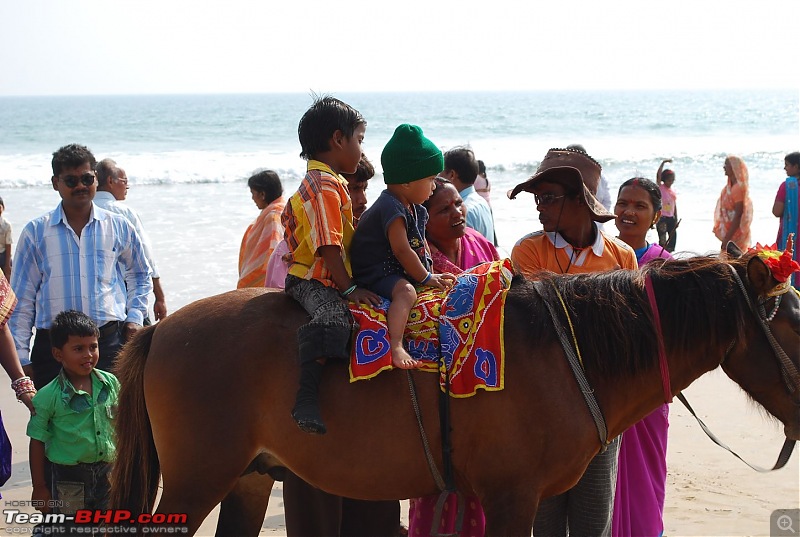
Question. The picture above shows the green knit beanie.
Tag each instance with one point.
(409, 156)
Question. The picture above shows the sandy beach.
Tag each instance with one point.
(709, 492)
(188, 183)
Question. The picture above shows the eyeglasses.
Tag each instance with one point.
(547, 199)
(87, 179)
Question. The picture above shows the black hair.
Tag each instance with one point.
(667, 173)
(569, 191)
(326, 116)
(71, 323)
(72, 156)
(439, 183)
(462, 161)
(1, 202)
(579, 147)
(793, 158)
(106, 169)
(364, 172)
(481, 168)
(268, 182)
(649, 186)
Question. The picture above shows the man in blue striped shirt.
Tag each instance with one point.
(79, 257)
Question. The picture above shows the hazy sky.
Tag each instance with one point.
(55, 47)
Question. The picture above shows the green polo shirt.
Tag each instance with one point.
(73, 425)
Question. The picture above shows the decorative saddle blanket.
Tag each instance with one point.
(464, 324)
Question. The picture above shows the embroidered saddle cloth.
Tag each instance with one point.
(464, 324)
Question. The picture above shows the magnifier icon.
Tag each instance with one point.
(784, 523)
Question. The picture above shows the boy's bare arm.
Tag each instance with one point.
(398, 240)
(41, 494)
(333, 261)
(409, 259)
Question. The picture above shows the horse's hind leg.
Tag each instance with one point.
(510, 512)
(242, 511)
(194, 488)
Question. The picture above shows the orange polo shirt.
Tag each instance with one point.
(549, 251)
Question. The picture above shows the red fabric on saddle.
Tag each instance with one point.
(467, 320)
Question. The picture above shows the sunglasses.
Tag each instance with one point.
(547, 199)
(87, 179)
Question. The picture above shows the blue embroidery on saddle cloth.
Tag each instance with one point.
(467, 322)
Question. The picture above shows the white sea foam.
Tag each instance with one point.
(188, 159)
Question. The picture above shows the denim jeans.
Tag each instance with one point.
(81, 486)
(327, 334)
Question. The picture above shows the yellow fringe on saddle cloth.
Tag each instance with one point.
(469, 320)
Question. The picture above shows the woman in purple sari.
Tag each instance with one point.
(454, 248)
(642, 475)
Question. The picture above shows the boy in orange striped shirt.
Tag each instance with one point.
(318, 222)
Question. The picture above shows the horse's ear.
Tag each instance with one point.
(759, 276)
(733, 251)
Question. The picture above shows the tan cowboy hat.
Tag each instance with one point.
(575, 170)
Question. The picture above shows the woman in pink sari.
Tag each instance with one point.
(734, 211)
(454, 248)
(642, 463)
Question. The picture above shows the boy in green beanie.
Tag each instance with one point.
(389, 251)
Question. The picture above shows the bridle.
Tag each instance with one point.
(789, 372)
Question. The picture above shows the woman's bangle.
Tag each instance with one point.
(22, 386)
(349, 290)
(428, 277)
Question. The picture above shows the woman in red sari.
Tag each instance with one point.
(454, 248)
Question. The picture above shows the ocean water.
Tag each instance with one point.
(188, 157)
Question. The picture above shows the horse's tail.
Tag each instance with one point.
(136, 470)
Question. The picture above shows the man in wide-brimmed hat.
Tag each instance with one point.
(564, 188)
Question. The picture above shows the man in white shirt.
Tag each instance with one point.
(112, 189)
(78, 257)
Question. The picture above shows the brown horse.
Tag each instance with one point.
(210, 388)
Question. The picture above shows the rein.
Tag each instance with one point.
(787, 369)
(783, 456)
(662, 355)
(576, 364)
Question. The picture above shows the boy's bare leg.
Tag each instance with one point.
(403, 298)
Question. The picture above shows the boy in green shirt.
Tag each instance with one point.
(73, 424)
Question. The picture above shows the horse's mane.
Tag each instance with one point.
(699, 305)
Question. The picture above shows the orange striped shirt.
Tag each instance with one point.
(318, 214)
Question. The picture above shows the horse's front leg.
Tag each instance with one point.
(510, 512)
